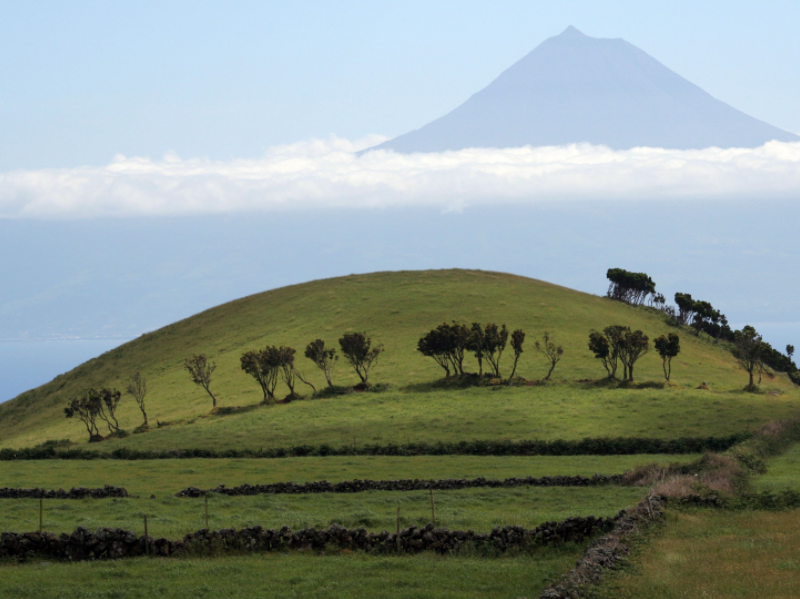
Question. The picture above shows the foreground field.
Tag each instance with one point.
(716, 555)
(476, 509)
(167, 477)
(396, 309)
(783, 473)
(290, 576)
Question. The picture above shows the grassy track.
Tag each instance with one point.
(476, 509)
(291, 575)
(716, 554)
(396, 309)
(170, 476)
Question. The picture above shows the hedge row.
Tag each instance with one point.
(601, 446)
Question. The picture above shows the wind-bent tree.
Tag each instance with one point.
(633, 345)
(109, 401)
(629, 287)
(86, 408)
(550, 350)
(289, 373)
(436, 344)
(494, 343)
(324, 359)
(517, 339)
(748, 348)
(263, 366)
(358, 351)
(446, 345)
(477, 344)
(601, 348)
(200, 369)
(667, 347)
(137, 387)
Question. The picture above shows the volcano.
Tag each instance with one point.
(574, 88)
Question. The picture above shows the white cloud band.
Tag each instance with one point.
(330, 174)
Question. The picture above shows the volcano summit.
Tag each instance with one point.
(574, 88)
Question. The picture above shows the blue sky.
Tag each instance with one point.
(84, 81)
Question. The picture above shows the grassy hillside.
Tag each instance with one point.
(396, 308)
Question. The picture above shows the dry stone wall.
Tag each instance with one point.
(115, 543)
(74, 493)
(446, 484)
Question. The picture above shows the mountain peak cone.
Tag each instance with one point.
(574, 88)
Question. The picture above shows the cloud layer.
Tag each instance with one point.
(332, 174)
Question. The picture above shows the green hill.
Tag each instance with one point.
(396, 308)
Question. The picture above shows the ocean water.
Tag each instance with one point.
(28, 364)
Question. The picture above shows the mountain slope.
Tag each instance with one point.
(574, 88)
(396, 308)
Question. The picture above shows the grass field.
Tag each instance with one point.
(169, 476)
(288, 576)
(396, 309)
(783, 473)
(476, 509)
(716, 554)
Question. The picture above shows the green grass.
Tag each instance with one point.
(783, 472)
(290, 576)
(169, 476)
(396, 309)
(476, 509)
(715, 554)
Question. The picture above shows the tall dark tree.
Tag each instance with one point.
(324, 358)
(629, 287)
(86, 408)
(494, 343)
(633, 345)
(200, 368)
(748, 349)
(550, 350)
(790, 351)
(667, 347)
(686, 307)
(137, 387)
(263, 365)
(517, 340)
(358, 351)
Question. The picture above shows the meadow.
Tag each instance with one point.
(396, 309)
(714, 554)
(294, 575)
(167, 477)
(704, 398)
(468, 509)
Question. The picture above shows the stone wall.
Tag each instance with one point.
(115, 543)
(446, 484)
(74, 493)
(607, 552)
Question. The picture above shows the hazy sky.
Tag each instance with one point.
(84, 81)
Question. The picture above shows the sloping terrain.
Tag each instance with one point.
(396, 308)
